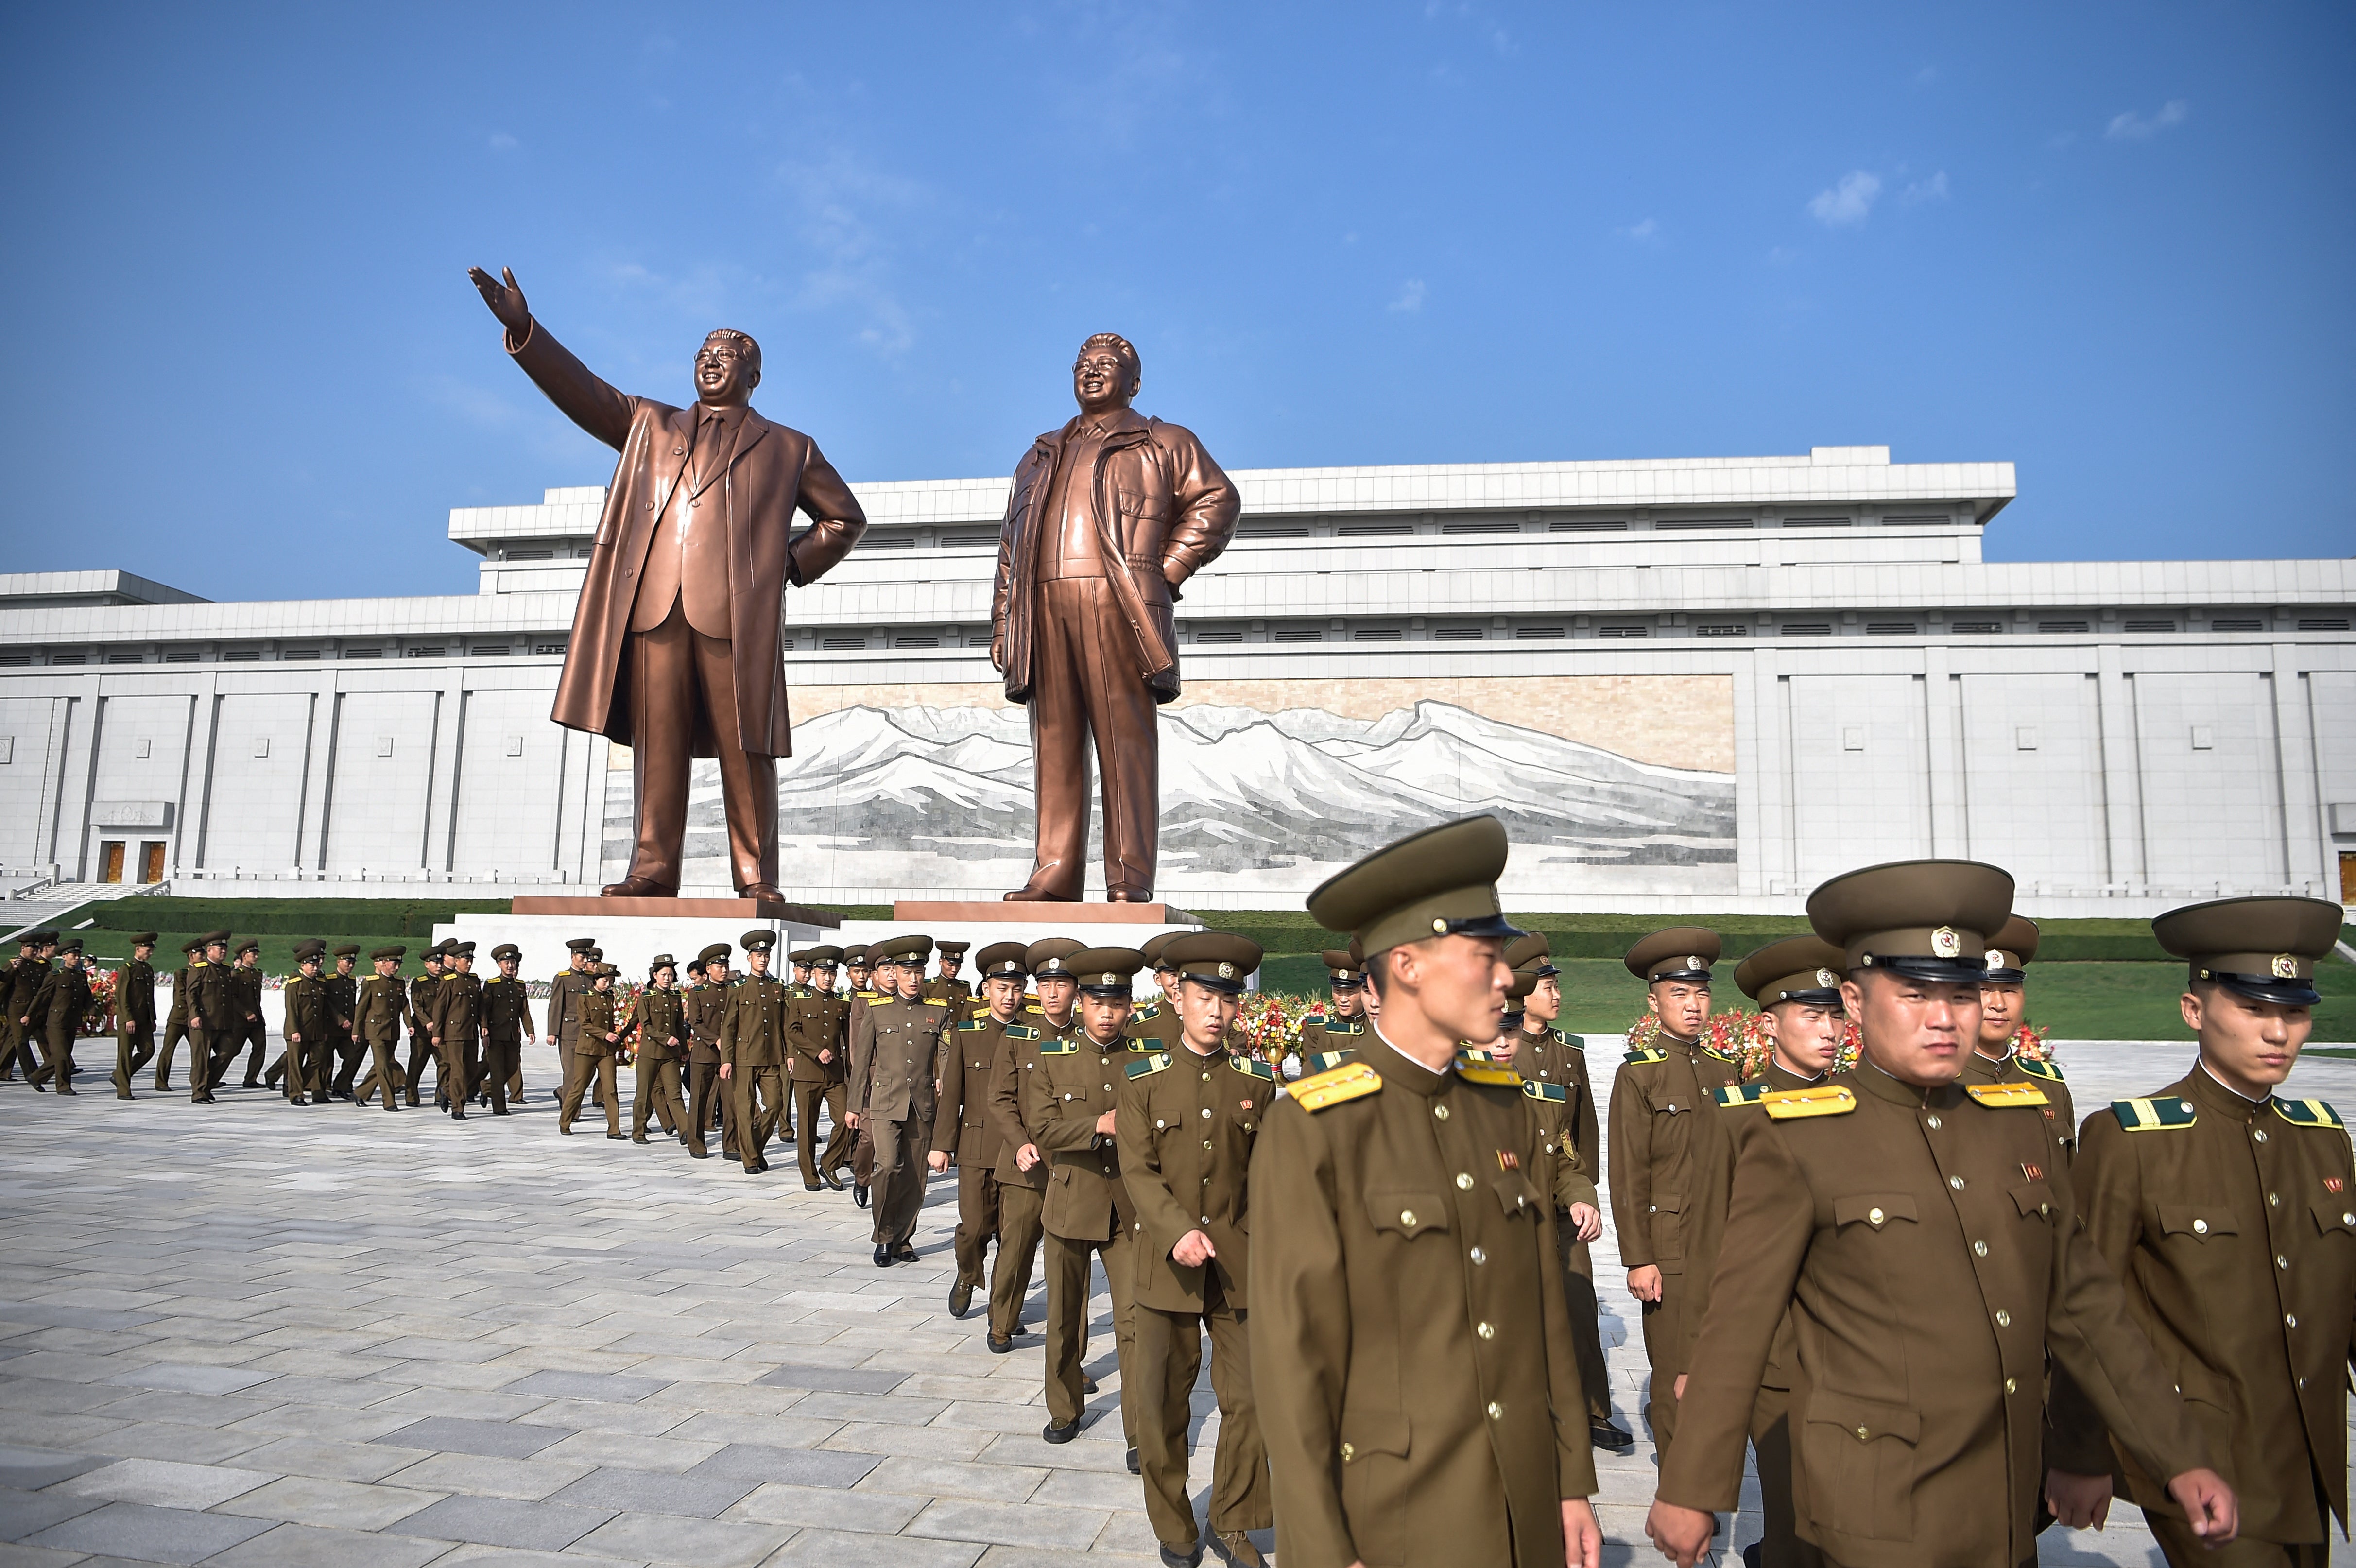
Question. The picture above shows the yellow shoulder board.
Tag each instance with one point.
(1553, 1093)
(1352, 1080)
(2045, 1071)
(1481, 1070)
(930, 1003)
(1790, 1105)
(1714, 1054)
(1033, 1007)
(1735, 1094)
(1146, 1067)
(2000, 1096)
(2143, 1115)
(2306, 1113)
(1646, 1057)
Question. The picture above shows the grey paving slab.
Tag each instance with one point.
(614, 1386)
(649, 1491)
(849, 1549)
(307, 1546)
(699, 1542)
(146, 1534)
(30, 1469)
(330, 1504)
(165, 1483)
(462, 1435)
(475, 1475)
(501, 1521)
(29, 1513)
(834, 1379)
(803, 1468)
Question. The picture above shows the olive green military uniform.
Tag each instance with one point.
(305, 1028)
(457, 1022)
(565, 994)
(597, 1046)
(1086, 1213)
(22, 981)
(1021, 1195)
(892, 1051)
(425, 1004)
(58, 1011)
(380, 1003)
(1187, 1123)
(135, 1017)
(657, 1023)
(962, 1129)
(753, 1048)
(818, 1065)
(1553, 1068)
(343, 1049)
(177, 1024)
(507, 1019)
(251, 1031)
(212, 1018)
(702, 1008)
(1329, 1033)
(2016, 1068)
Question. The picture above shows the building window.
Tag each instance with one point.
(1919, 516)
(532, 554)
(905, 542)
(1457, 634)
(1273, 530)
(421, 653)
(1678, 522)
(1890, 628)
(1819, 521)
(180, 656)
(1522, 631)
(2151, 625)
(959, 538)
(15, 659)
(364, 652)
(241, 655)
(2062, 627)
(496, 650)
(67, 658)
(1720, 628)
(126, 659)
(1378, 634)
(2324, 623)
(300, 653)
(1374, 530)
(1620, 629)
(1220, 634)
(1482, 525)
(548, 648)
(840, 644)
(918, 641)
(1806, 628)
(1588, 525)
(1975, 628)
(2237, 624)
(1300, 634)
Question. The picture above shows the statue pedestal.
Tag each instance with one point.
(997, 911)
(749, 910)
(632, 930)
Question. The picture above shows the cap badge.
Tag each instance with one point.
(1995, 959)
(1226, 970)
(1693, 961)
(1946, 943)
(2286, 967)
(1827, 979)
(1438, 927)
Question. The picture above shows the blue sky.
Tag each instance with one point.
(2110, 242)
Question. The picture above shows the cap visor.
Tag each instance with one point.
(1485, 926)
(2265, 988)
(1937, 970)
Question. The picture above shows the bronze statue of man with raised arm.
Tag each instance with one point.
(1107, 518)
(674, 650)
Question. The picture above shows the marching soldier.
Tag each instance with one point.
(599, 1045)
(1926, 1229)
(893, 1048)
(1796, 984)
(59, 1008)
(249, 1031)
(425, 1046)
(457, 1024)
(380, 1003)
(1021, 1170)
(304, 1025)
(1411, 1356)
(1070, 1103)
(214, 1005)
(135, 1014)
(343, 1049)
(753, 1051)
(701, 1008)
(1153, 1025)
(176, 1023)
(564, 994)
(817, 1067)
(658, 1024)
(1553, 1065)
(2248, 1298)
(1187, 1120)
(1331, 1032)
(1669, 1158)
(961, 1125)
(506, 1024)
(948, 986)
(23, 981)
(2003, 1010)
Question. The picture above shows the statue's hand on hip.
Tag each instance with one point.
(506, 299)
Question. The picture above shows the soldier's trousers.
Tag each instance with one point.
(420, 1051)
(1771, 1439)
(455, 1069)
(1067, 1323)
(658, 1092)
(977, 1218)
(1586, 1332)
(760, 1103)
(1168, 1357)
(897, 1196)
(808, 1095)
(1020, 1207)
(705, 1094)
(133, 1047)
(57, 1060)
(2183, 1549)
(175, 1031)
(502, 1071)
(200, 1061)
(1664, 1348)
(252, 1037)
(384, 1073)
(12, 1038)
(597, 1070)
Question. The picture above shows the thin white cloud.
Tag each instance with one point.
(1649, 228)
(2131, 126)
(502, 142)
(1932, 189)
(1926, 77)
(1847, 203)
(1410, 298)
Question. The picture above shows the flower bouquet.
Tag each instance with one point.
(1270, 1024)
(2029, 1042)
(98, 1018)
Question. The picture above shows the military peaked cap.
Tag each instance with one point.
(194, 947)
(1106, 971)
(1928, 919)
(251, 944)
(1340, 972)
(1437, 883)
(1220, 960)
(1154, 946)
(855, 957)
(954, 952)
(1533, 953)
(716, 954)
(48, 938)
(757, 941)
(1681, 952)
(2010, 950)
(348, 950)
(1052, 955)
(396, 952)
(143, 939)
(911, 949)
(209, 938)
(582, 944)
(2263, 948)
(1001, 959)
(1525, 981)
(307, 951)
(457, 948)
(71, 944)
(503, 952)
(1806, 970)
(661, 961)
(825, 957)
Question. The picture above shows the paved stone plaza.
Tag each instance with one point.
(260, 1334)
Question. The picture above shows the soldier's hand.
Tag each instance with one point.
(1677, 1390)
(1193, 1251)
(851, 1120)
(1644, 1283)
(1104, 1125)
(936, 1162)
(2081, 1502)
(1681, 1534)
(505, 299)
(2209, 1505)
(727, 1070)
(1027, 1157)
(1582, 1537)
(1586, 1223)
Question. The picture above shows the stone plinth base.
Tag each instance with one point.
(747, 909)
(1055, 916)
(630, 941)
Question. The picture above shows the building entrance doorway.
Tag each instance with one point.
(111, 857)
(150, 861)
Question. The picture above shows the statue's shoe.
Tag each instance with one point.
(1038, 896)
(766, 892)
(639, 887)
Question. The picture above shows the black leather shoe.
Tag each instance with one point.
(458, 1115)
(858, 1196)
(904, 1253)
(1054, 1434)
(883, 1257)
(832, 1178)
(813, 1186)
(617, 1137)
(998, 1347)
(563, 1127)
(637, 1137)
(1235, 1550)
(1190, 1557)
(1613, 1439)
(960, 1298)
(1751, 1553)
(1136, 1467)
(701, 1154)
(1088, 1384)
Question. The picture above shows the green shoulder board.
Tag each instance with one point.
(2306, 1113)
(1146, 1067)
(1256, 1069)
(2045, 1071)
(1150, 1043)
(2144, 1116)
(1326, 1061)
(1345, 1026)
(1147, 1012)
(1060, 1049)
(1646, 1057)
(1020, 1032)
(972, 1026)
(1735, 1094)
(1552, 1093)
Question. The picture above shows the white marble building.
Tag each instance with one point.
(1688, 684)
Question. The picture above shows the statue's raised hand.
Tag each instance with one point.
(506, 300)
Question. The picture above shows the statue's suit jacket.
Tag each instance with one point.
(772, 471)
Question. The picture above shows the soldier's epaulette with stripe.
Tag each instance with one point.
(1345, 1026)
(1734, 1094)
(1352, 1080)
(1254, 1066)
(869, 996)
(1714, 1054)
(1564, 1037)
(1033, 1007)
(1479, 1067)
(1536, 1088)
(2004, 1096)
(2036, 1068)
(930, 1003)
(2145, 1115)
(493, 979)
(970, 1026)
(1146, 1067)
(1326, 1061)
(2306, 1113)
(1825, 1099)
(1145, 1043)
(1020, 1032)
(1645, 1056)
(1060, 1049)
(1148, 1013)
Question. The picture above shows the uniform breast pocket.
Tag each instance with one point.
(1518, 1198)
(1408, 1214)
(2336, 1216)
(2193, 1224)
(2034, 1199)
(1873, 1213)
(1668, 1218)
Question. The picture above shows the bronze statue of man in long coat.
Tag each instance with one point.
(674, 650)
(1109, 517)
